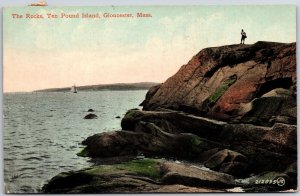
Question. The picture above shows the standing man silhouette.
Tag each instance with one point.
(243, 33)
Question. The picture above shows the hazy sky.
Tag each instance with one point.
(48, 53)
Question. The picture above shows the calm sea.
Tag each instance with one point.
(43, 131)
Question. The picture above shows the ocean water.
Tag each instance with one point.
(43, 131)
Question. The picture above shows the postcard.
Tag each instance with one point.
(149, 99)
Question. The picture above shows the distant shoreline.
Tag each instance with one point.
(42, 91)
(105, 87)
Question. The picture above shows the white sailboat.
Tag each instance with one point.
(74, 89)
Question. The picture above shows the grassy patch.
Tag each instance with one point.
(146, 167)
(221, 89)
(83, 153)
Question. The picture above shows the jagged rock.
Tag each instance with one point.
(216, 81)
(91, 116)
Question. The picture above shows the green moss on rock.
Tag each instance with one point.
(221, 89)
(83, 153)
(196, 141)
(197, 144)
(146, 167)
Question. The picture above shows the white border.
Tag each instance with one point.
(9, 3)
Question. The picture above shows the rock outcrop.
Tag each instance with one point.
(149, 139)
(139, 176)
(218, 81)
(231, 110)
(185, 136)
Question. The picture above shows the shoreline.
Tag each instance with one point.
(107, 160)
(243, 127)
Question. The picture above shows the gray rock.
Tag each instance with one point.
(91, 116)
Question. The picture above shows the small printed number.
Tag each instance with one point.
(279, 181)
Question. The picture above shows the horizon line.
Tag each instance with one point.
(79, 86)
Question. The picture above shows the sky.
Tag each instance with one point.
(50, 53)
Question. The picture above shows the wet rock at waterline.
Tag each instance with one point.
(91, 116)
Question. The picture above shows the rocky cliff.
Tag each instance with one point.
(221, 82)
(229, 115)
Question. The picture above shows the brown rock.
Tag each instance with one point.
(195, 177)
(278, 105)
(178, 188)
(139, 176)
(263, 146)
(228, 161)
(200, 86)
(148, 139)
(90, 116)
(238, 169)
(216, 160)
(282, 135)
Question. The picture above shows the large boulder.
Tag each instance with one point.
(149, 139)
(138, 176)
(228, 161)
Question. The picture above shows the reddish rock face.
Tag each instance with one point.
(218, 81)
